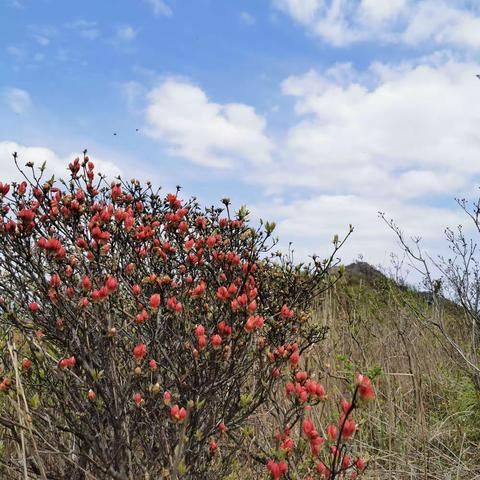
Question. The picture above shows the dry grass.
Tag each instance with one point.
(426, 424)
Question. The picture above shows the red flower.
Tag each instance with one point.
(142, 316)
(67, 362)
(287, 444)
(345, 405)
(26, 363)
(202, 342)
(211, 240)
(199, 330)
(320, 391)
(349, 428)
(277, 469)
(155, 301)
(289, 388)
(91, 395)
(242, 300)
(33, 307)
(365, 388)
(111, 284)
(178, 414)
(222, 293)
(137, 398)
(286, 312)
(216, 341)
(152, 364)
(86, 283)
(213, 446)
(301, 376)
(331, 432)
(249, 324)
(360, 464)
(274, 469)
(294, 358)
(316, 444)
(308, 427)
(4, 188)
(139, 351)
(174, 305)
(55, 280)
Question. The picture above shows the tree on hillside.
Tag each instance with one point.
(455, 277)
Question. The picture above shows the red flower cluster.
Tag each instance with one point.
(67, 362)
(277, 469)
(178, 414)
(335, 461)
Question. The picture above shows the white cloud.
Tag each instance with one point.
(303, 11)
(400, 138)
(385, 132)
(197, 129)
(311, 224)
(41, 40)
(55, 163)
(378, 11)
(343, 22)
(125, 33)
(17, 100)
(403, 139)
(85, 28)
(160, 7)
(443, 25)
(43, 34)
(247, 18)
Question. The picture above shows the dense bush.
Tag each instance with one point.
(140, 333)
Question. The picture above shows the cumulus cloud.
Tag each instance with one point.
(405, 131)
(303, 11)
(192, 126)
(311, 224)
(17, 100)
(400, 138)
(343, 22)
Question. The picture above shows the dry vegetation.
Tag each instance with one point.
(236, 376)
(426, 424)
(426, 420)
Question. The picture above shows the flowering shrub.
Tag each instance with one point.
(141, 330)
(305, 452)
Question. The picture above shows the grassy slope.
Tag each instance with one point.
(426, 423)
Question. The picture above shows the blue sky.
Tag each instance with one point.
(315, 113)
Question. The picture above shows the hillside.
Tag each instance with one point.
(427, 420)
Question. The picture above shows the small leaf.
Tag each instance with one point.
(35, 401)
